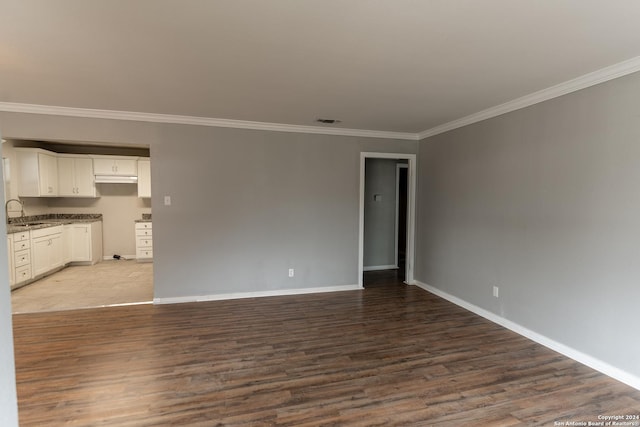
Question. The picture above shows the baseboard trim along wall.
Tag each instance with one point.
(379, 267)
(259, 294)
(572, 353)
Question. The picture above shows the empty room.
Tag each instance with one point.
(365, 212)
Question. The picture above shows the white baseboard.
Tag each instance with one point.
(572, 353)
(379, 267)
(259, 294)
(126, 257)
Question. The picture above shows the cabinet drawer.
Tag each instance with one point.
(142, 253)
(18, 246)
(22, 258)
(23, 273)
(144, 242)
(143, 225)
(143, 232)
(49, 231)
(18, 237)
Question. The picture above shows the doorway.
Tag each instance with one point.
(95, 271)
(387, 203)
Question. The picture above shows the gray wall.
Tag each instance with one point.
(257, 203)
(246, 205)
(380, 216)
(8, 397)
(545, 203)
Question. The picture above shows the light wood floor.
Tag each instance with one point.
(105, 283)
(387, 355)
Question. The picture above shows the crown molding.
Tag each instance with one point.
(13, 107)
(591, 79)
(600, 76)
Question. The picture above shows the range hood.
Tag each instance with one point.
(116, 179)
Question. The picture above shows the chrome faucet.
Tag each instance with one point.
(6, 208)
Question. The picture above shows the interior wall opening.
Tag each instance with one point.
(89, 242)
(386, 222)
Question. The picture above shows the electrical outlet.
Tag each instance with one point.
(291, 272)
(496, 291)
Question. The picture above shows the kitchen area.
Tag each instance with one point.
(79, 227)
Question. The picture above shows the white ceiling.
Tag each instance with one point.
(392, 65)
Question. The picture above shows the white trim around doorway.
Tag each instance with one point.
(411, 203)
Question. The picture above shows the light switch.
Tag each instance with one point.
(167, 200)
(377, 197)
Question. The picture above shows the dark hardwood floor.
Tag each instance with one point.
(387, 355)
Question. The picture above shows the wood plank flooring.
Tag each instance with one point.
(388, 355)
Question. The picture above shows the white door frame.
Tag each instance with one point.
(411, 203)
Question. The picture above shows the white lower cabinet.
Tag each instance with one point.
(85, 242)
(46, 250)
(34, 253)
(19, 250)
(144, 241)
(66, 243)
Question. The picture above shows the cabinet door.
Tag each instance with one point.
(80, 242)
(103, 166)
(66, 243)
(46, 253)
(126, 167)
(66, 181)
(144, 178)
(55, 251)
(40, 255)
(117, 166)
(84, 178)
(48, 170)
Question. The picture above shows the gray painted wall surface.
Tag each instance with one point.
(380, 216)
(246, 205)
(545, 203)
(257, 204)
(8, 396)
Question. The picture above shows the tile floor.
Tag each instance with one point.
(105, 283)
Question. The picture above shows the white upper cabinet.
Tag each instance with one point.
(114, 165)
(75, 176)
(144, 178)
(37, 173)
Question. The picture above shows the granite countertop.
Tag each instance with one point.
(36, 222)
(145, 218)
